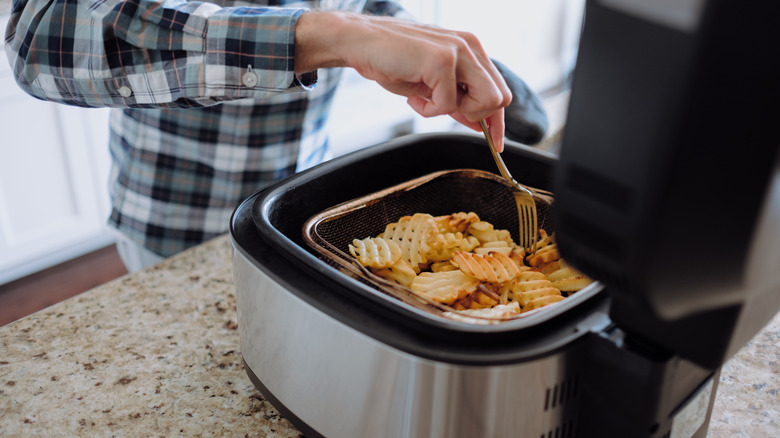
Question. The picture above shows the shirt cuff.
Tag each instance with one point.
(250, 52)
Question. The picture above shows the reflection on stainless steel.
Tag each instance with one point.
(375, 390)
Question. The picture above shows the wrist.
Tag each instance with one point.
(321, 39)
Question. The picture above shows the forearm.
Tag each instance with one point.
(173, 54)
(318, 36)
(439, 71)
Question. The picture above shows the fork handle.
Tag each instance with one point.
(496, 156)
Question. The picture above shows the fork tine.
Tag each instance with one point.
(524, 225)
(532, 230)
(529, 224)
(526, 208)
(528, 227)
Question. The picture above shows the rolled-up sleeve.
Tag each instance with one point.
(140, 53)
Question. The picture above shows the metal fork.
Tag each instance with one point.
(524, 198)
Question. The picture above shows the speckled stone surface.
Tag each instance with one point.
(748, 398)
(151, 354)
(157, 354)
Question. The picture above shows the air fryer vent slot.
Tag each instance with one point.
(566, 430)
(561, 393)
(561, 404)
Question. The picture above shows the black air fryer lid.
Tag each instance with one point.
(664, 189)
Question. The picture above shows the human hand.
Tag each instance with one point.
(439, 71)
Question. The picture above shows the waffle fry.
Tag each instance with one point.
(400, 273)
(573, 284)
(548, 261)
(415, 236)
(530, 286)
(500, 310)
(466, 263)
(485, 232)
(446, 244)
(493, 267)
(444, 287)
(551, 267)
(544, 255)
(566, 278)
(375, 252)
(443, 266)
(544, 239)
(497, 246)
(456, 222)
(525, 298)
(518, 256)
(477, 300)
(542, 301)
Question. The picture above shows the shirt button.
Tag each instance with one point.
(249, 79)
(125, 91)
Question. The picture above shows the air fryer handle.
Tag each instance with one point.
(634, 389)
(526, 119)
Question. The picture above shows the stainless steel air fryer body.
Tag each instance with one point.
(338, 358)
(344, 383)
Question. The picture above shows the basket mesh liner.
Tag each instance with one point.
(440, 193)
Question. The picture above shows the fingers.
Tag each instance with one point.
(465, 84)
(496, 128)
(444, 94)
(463, 65)
(425, 64)
(487, 90)
(495, 123)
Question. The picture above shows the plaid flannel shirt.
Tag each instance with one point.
(208, 108)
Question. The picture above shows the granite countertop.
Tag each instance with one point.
(156, 353)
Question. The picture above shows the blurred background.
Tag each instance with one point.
(536, 39)
(54, 161)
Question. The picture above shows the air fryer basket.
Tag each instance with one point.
(440, 193)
